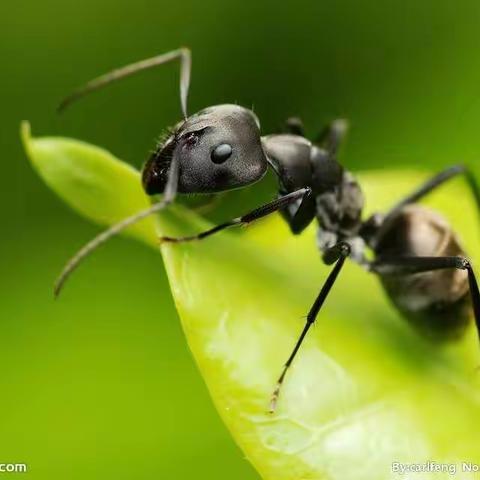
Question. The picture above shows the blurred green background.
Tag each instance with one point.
(101, 384)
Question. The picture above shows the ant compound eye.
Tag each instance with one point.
(221, 153)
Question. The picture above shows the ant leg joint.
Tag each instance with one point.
(464, 263)
(339, 250)
(345, 249)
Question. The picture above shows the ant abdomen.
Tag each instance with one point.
(436, 302)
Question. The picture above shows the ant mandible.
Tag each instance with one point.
(416, 254)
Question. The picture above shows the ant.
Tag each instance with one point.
(416, 254)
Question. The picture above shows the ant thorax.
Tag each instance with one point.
(339, 216)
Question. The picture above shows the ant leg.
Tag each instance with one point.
(294, 125)
(299, 218)
(338, 253)
(435, 182)
(260, 212)
(331, 137)
(409, 265)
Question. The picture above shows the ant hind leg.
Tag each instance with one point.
(406, 265)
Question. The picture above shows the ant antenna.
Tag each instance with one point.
(168, 197)
(100, 239)
(96, 84)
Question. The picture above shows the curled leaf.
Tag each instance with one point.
(89, 179)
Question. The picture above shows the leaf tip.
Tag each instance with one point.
(26, 134)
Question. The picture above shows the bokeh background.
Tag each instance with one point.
(101, 384)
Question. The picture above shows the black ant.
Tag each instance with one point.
(416, 254)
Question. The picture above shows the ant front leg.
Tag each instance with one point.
(260, 212)
(300, 214)
(336, 254)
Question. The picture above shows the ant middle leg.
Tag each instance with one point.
(337, 255)
(260, 212)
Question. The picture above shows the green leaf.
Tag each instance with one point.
(91, 180)
(365, 391)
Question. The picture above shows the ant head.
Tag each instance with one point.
(217, 149)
